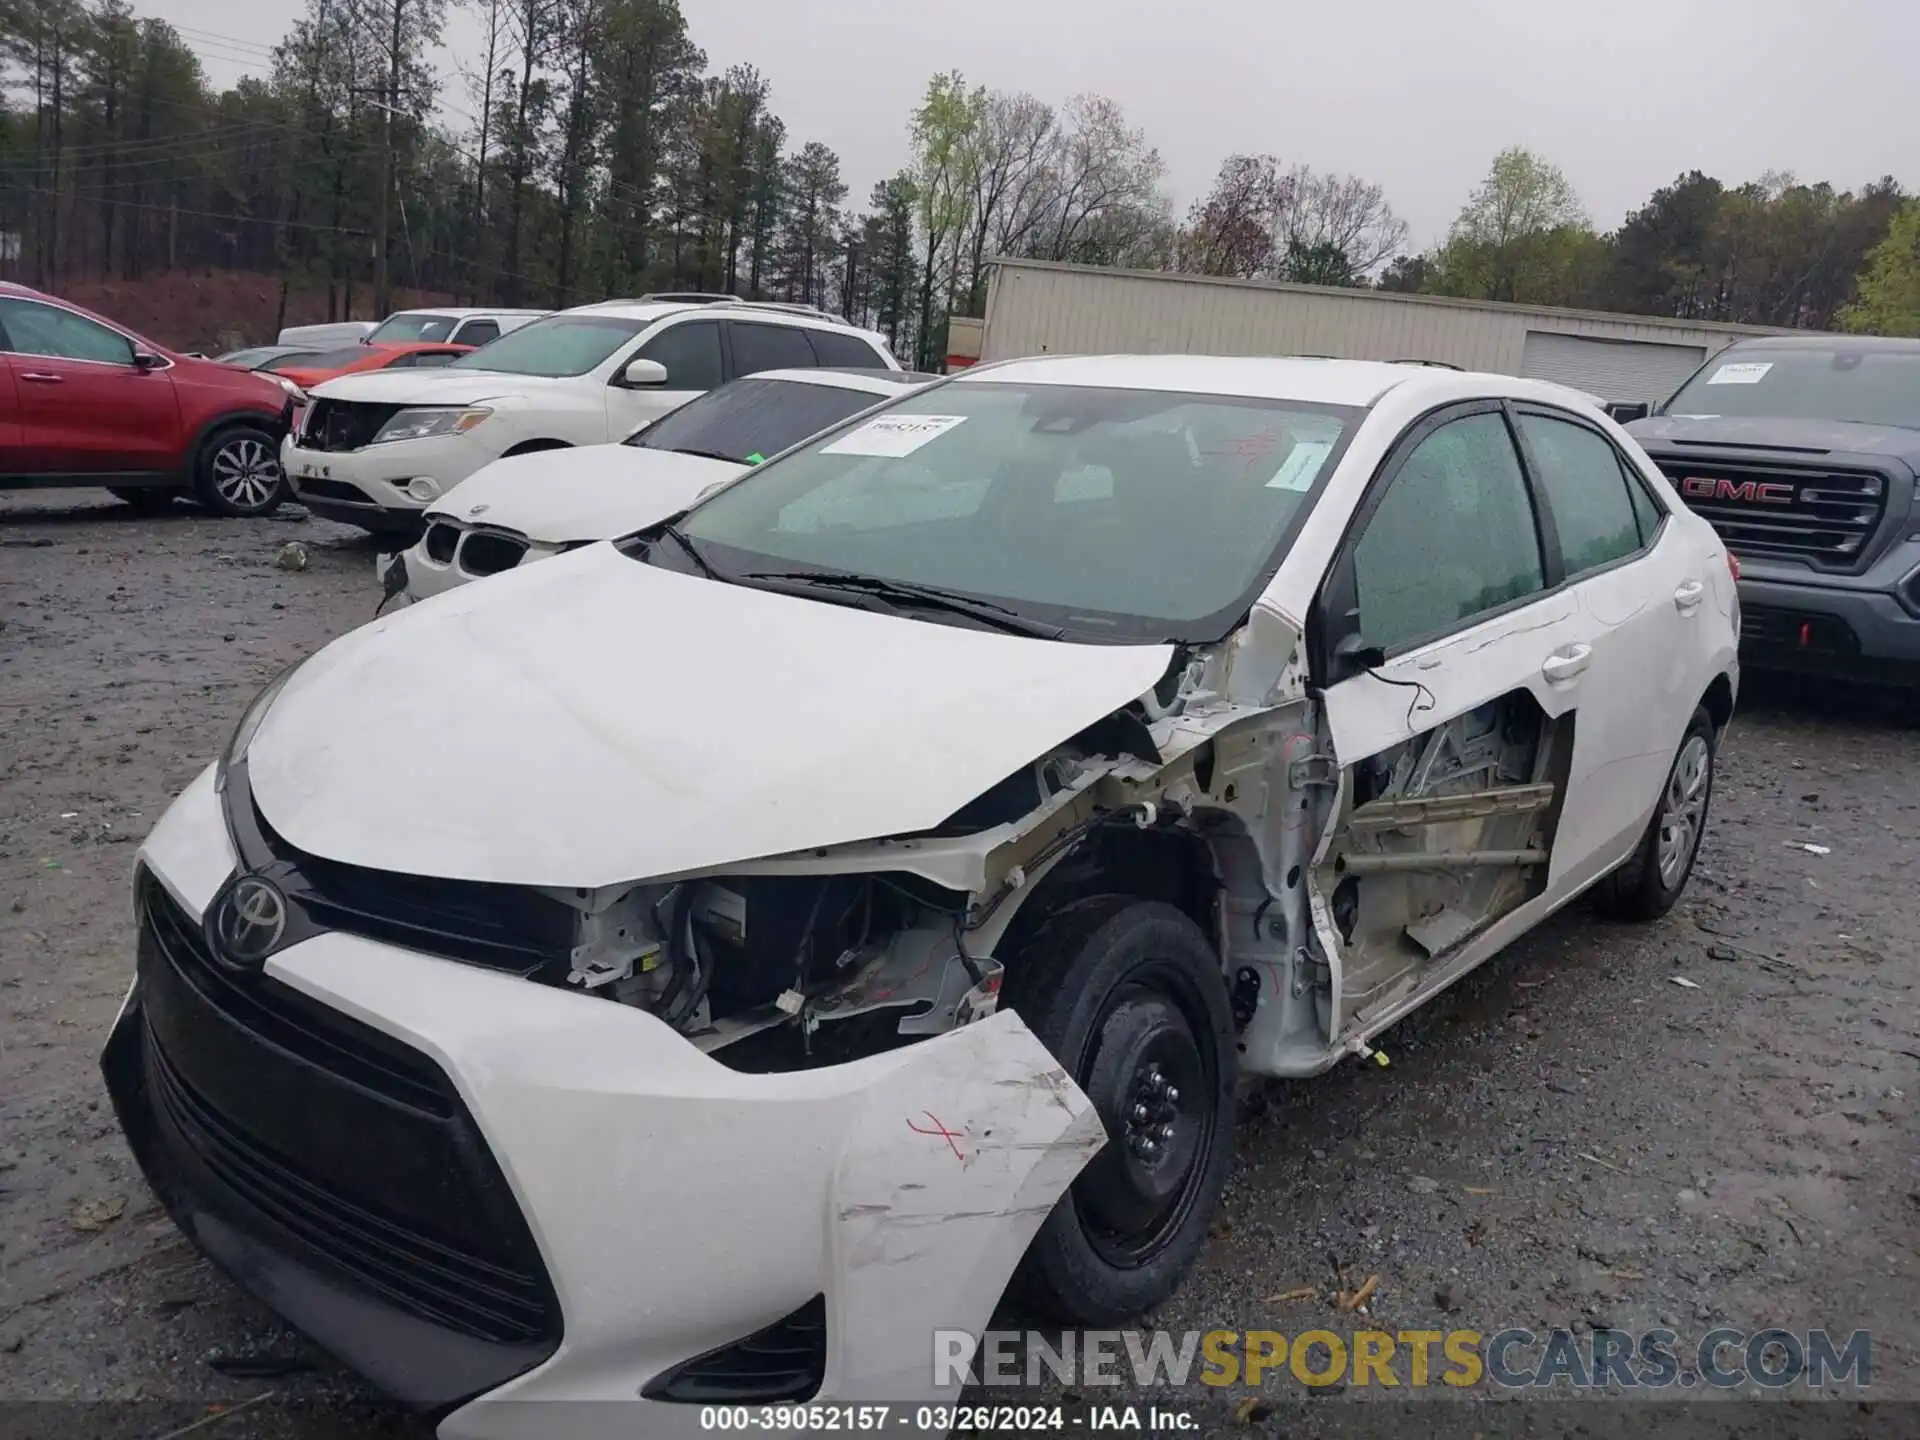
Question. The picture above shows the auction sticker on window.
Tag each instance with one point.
(892, 435)
(1747, 374)
(1301, 465)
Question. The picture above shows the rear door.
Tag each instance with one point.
(1454, 696)
(691, 352)
(1642, 595)
(85, 408)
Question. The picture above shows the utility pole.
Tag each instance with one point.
(382, 292)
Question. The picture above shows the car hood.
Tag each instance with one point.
(592, 493)
(593, 721)
(1671, 432)
(445, 386)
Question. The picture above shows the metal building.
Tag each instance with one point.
(1035, 307)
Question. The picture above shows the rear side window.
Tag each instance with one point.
(478, 332)
(844, 352)
(750, 420)
(1453, 537)
(1592, 506)
(691, 353)
(1647, 513)
(770, 347)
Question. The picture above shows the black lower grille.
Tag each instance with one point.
(352, 1146)
(1769, 628)
(440, 541)
(331, 490)
(487, 554)
(344, 424)
(1826, 516)
(787, 1361)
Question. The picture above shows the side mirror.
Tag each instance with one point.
(642, 373)
(146, 360)
(1621, 412)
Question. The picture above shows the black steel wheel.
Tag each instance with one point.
(1130, 997)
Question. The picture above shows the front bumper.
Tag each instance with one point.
(369, 487)
(1827, 630)
(278, 1117)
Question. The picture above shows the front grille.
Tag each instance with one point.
(483, 553)
(344, 424)
(348, 1142)
(1826, 516)
(1766, 627)
(440, 540)
(286, 1018)
(503, 927)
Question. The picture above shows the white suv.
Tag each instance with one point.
(376, 449)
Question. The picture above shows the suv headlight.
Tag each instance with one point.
(425, 421)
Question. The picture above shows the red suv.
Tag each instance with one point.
(85, 402)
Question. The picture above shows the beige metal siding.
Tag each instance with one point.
(1035, 308)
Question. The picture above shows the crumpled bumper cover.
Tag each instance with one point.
(677, 1206)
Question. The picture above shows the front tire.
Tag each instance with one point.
(1129, 997)
(1651, 881)
(239, 472)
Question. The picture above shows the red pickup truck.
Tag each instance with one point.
(86, 402)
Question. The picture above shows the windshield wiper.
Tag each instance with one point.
(685, 542)
(705, 454)
(906, 592)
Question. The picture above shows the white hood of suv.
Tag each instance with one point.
(593, 720)
(437, 387)
(594, 492)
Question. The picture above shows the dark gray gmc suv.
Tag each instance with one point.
(1802, 451)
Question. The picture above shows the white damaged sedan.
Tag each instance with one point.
(865, 891)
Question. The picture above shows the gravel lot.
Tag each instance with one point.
(1569, 1138)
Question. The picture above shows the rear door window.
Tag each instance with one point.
(769, 347)
(844, 352)
(1579, 471)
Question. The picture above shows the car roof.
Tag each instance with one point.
(464, 312)
(732, 309)
(1823, 340)
(1309, 380)
(874, 382)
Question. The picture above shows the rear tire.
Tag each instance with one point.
(1129, 997)
(147, 499)
(238, 472)
(1651, 881)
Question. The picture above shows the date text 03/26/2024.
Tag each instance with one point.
(943, 1419)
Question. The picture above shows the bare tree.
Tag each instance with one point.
(1100, 165)
(1230, 229)
(1325, 214)
(1013, 140)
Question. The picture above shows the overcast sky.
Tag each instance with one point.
(1417, 95)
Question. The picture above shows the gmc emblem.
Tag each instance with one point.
(1752, 492)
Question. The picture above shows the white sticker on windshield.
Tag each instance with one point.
(1747, 374)
(1302, 464)
(892, 435)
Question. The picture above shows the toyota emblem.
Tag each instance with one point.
(249, 921)
(478, 509)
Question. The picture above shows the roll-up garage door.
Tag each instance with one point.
(1614, 370)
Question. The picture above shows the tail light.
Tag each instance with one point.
(1733, 565)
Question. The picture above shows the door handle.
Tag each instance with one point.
(1688, 597)
(40, 377)
(1564, 665)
